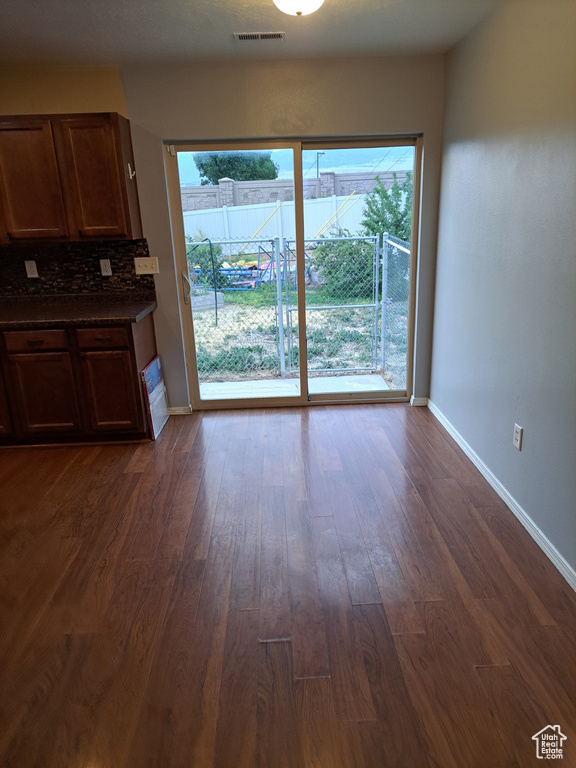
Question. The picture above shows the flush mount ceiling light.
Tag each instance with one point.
(298, 7)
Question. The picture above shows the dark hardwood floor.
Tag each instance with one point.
(330, 587)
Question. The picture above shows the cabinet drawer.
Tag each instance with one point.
(35, 341)
(102, 338)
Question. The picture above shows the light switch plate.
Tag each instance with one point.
(146, 266)
(31, 270)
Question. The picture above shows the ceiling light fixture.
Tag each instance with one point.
(298, 7)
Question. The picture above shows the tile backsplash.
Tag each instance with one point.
(74, 269)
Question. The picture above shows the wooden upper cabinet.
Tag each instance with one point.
(94, 161)
(69, 177)
(30, 183)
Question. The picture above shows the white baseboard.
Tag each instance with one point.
(422, 401)
(543, 542)
(180, 410)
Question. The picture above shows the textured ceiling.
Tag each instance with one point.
(118, 31)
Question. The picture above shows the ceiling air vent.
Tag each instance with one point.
(242, 36)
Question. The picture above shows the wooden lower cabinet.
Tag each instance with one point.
(44, 392)
(71, 384)
(110, 390)
(5, 420)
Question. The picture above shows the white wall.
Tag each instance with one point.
(394, 95)
(504, 345)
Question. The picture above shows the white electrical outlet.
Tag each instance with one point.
(517, 442)
(146, 266)
(31, 270)
(105, 267)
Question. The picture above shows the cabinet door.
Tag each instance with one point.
(30, 183)
(93, 161)
(5, 423)
(44, 390)
(110, 380)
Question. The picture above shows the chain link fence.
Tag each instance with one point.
(244, 305)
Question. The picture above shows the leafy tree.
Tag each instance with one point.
(239, 166)
(390, 211)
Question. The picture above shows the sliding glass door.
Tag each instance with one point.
(357, 220)
(296, 269)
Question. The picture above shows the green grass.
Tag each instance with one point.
(263, 296)
(237, 359)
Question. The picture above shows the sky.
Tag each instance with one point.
(359, 160)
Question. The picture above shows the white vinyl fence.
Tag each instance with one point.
(270, 220)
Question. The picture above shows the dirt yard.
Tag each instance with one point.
(244, 344)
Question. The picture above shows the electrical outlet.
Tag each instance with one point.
(105, 267)
(31, 270)
(146, 266)
(517, 442)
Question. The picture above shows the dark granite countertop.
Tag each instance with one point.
(49, 311)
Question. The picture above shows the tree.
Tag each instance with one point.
(239, 166)
(390, 211)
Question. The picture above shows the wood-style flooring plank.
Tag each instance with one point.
(245, 589)
(478, 491)
(545, 581)
(275, 597)
(314, 482)
(357, 566)
(326, 449)
(540, 674)
(400, 728)
(102, 541)
(18, 625)
(409, 541)
(104, 661)
(325, 740)
(40, 714)
(454, 518)
(273, 466)
(395, 595)
(120, 708)
(177, 725)
(254, 456)
(309, 644)
(352, 696)
(292, 464)
(204, 507)
(279, 740)
(237, 727)
(517, 712)
(410, 445)
(437, 667)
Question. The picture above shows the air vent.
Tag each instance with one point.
(243, 36)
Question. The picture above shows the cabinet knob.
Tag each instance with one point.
(102, 338)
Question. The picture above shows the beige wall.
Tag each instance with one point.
(504, 347)
(356, 97)
(26, 90)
